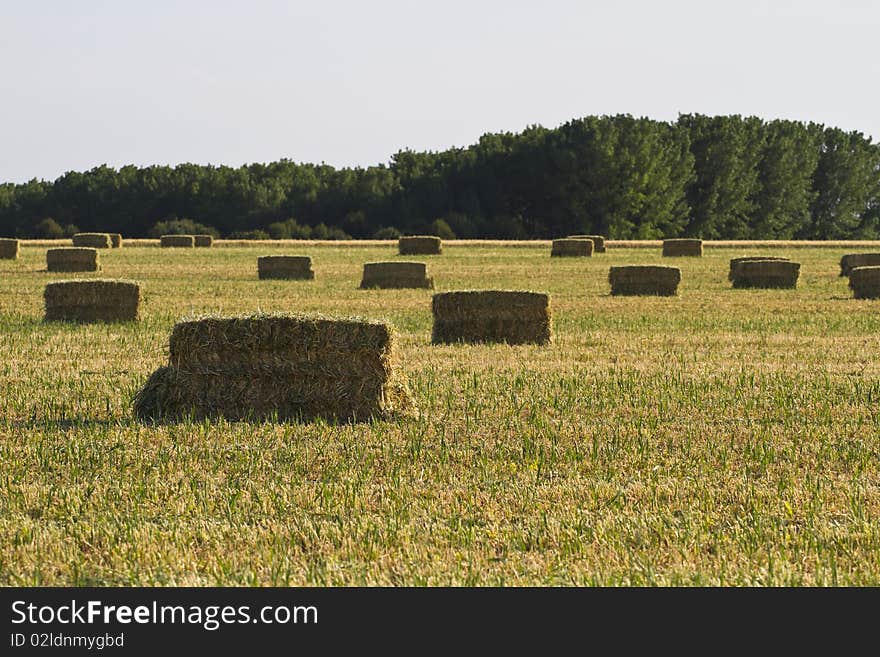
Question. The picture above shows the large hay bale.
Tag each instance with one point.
(396, 275)
(735, 263)
(865, 282)
(203, 241)
(288, 267)
(419, 245)
(491, 316)
(768, 274)
(72, 258)
(572, 247)
(644, 280)
(598, 241)
(116, 240)
(92, 300)
(177, 241)
(852, 260)
(8, 249)
(93, 240)
(680, 247)
(277, 366)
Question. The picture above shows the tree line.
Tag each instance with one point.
(715, 177)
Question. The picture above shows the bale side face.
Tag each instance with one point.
(116, 240)
(91, 301)
(491, 316)
(735, 263)
(644, 280)
(396, 275)
(93, 240)
(419, 245)
(286, 267)
(9, 249)
(853, 260)
(680, 247)
(70, 259)
(572, 247)
(767, 274)
(598, 241)
(203, 241)
(865, 282)
(177, 241)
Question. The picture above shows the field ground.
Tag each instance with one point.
(720, 437)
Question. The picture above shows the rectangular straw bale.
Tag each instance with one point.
(644, 280)
(287, 267)
(92, 300)
(598, 241)
(768, 274)
(203, 241)
(491, 316)
(396, 275)
(72, 258)
(116, 240)
(735, 263)
(852, 260)
(419, 245)
(93, 240)
(865, 282)
(8, 249)
(177, 241)
(572, 247)
(680, 247)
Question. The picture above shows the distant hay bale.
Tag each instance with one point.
(288, 267)
(735, 263)
(93, 240)
(768, 274)
(177, 241)
(572, 247)
(116, 240)
(289, 367)
(93, 300)
(419, 245)
(644, 280)
(598, 241)
(396, 275)
(849, 262)
(203, 241)
(491, 316)
(680, 247)
(72, 258)
(8, 249)
(865, 282)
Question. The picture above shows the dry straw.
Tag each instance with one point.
(852, 260)
(93, 240)
(682, 247)
(72, 258)
(735, 263)
(177, 241)
(94, 300)
(419, 245)
(768, 274)
(572, 247)
(396, 275)
(644, 280)
(8, 249)
(598, 241)
(285, 367)
(288, 267)
(491, 316)
(116, 240)
(203, 241)
(865, 282)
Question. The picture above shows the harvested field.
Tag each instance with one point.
(479, 316)
(93, 240)
(572, 247)
(72, 259)
(644, 280)
(285, 267)
(177, 241)
(396, 275)
(419, 245)
(92, 300)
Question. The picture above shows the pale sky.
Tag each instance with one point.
(349, 83)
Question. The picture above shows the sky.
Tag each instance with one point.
(350, 83)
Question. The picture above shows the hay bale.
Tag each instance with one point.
(419, 245)
(92, 300)
(768, 274)
(72, 258)
(93, 240)
(849, 262)
(116, 240)
(680, 247)
(735, 262)
(598, 241)
(8, 249)
(572, 247)
(644, 280)
(277, 366)
(177, 241)
(491, 316)
(865, 282)
(203, 241)
(396, 275)
(288, 267)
